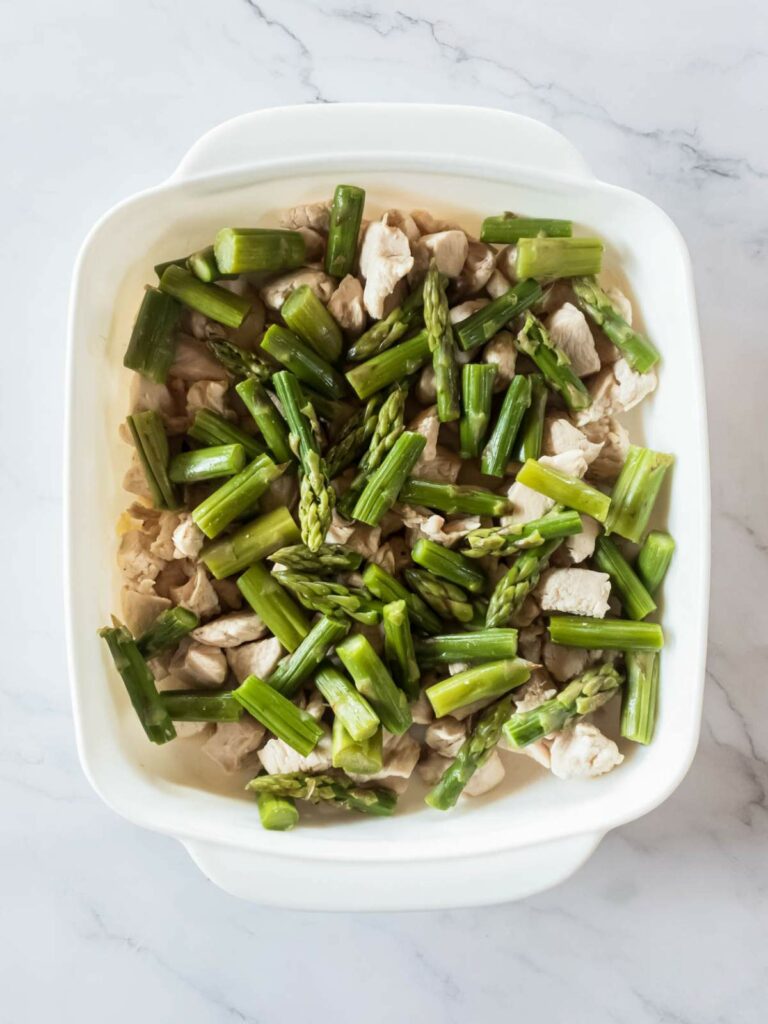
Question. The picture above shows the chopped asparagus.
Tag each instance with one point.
(166, 631)
(197, 706)
(212, 429)
(513, 588)
(276, 713)
(387, 429)
(239, 361)
(209, 299)
(250, 543)
(237, 496)
(388, 589)
(274, 606)
(206, 463)
(328, 560)
(482, 645)
(310, 368)
(508, 229)
(140, 684)
(299, 666)
(347, 704)
(605, 634)
(331, 598)
(477, 395)
(343, 230)
(266, 417)
(151, 444)
(389, 367)
(203, 265)
(277, 813)
(152, 346)
(653, 559)
(635, 492)
(307, 317)
(244, 250)
(558, 257)
(501, 541)
(499, 447)
(448, 564)
(641, 696)
(446, 599)
(554, 364)
(354, 437)
(384, 333)
(531, 432)
(493, 679)
(454, 498)
(385, 483)
(639, 352)
(398, 648)
(331, 789)
(375, 683)
(441, 345)
(358, 757)
(567, 490)
(625, 582)
(483, 324)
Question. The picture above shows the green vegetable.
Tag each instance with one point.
(277, 714)
(244, 250)
(478, 683)
(209, 299)
(274, 606)
(140, 684)
(152, 345)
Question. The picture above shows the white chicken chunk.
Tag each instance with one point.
(465, 309)
(614, 439)
(197, 594)
(532, 695)
(259, 658)
(478, 267)
(560, 435)
(230, 630)
(276, 291)
(399, 757)
(187, 537)
(208, 394)
(278, 757)
(135, 481)
(421, 710)
(404, 221)
(497, 285)
(502, 353)
(506, 262)
(582, 752)
(307, 215)
(529, 504)
(161, 531)
(314, 246)
(446, 735)
(443, 468)
(420, 522)
(563, 663)
(146, 395)
(428, 224)
(487, 777)
(449, 250)
(385, 259)
(614, 390)
(428, 425)
(432, 767)
(361, 538)
(346, 306)
(192, 362)
(570, 333)
(136, 559)
(575, 591)
(529, 641)
(199, 664)
(621, 302)
(139, 610)
(581, 546)
(233, 742)
(230, 597)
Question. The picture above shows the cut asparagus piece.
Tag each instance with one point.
(207, 463)
(203, 265)
(454, 498)
(140, 684)
(653, 559)
(197, 706)
(385, 483)
(446, 599)
(398, 648)
(375, 683)
(160, 268)
(277, 813)
(250, 543)
(266, 417)
(284, 346)
(239, 361)
(498, 450)
(553, 363)
(354, 437)
(531, 432)
(166, 631)
(152, 346)
(307, 317)
(564, 489)
(388, 428)
(384, 333)
(389, 367)
(448, 564)
(636, 600)
(343, 230)
(639, 352)
(493, 679)
(350, 707)
(212, 429)
(332, 599)
(483, 324)
(482, 645)
(243, 250)
(336, 413)
(508, 229)
(274, 606)
(641, 696)
(476, 396)
(331, 789)
(151, 444)
(388, 589)
(635, 492)
(501, 541)
(441, 345)
(558, 257)
(513, 588)
(276, 713)
(358, 757)
(237, 496)
(209, 299)
(605, 634)
(299, 666)
(328, 560)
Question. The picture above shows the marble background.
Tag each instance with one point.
(667, 922)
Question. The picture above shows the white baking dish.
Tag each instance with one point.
(455, 161)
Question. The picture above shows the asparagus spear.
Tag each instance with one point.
(583, 695)
(385, 484)
(212, 429)
(307, 317)
(343, 230)
(477, 394)
(653, 559)
(303, 361)
(388, 589)
(236, 496)
(266, 417)
(337, 790)
(554, 364)
(641, 696)
(567, 490)
(558, 257)
(328, 560)
(389, 426)
(166, 631)
(384, 333)
(206, 463)
(277, 813)
(152, 344)
(441, 345)
(331, 598)
(513, 588)
(239, 361)
(359, 757)
(375, 683)
(499, 447)
(274, 606)
(605, 634)
(493, 679)
(448, 564)
(151, 444)
(160, 268)
(501, 541)
(336, 413)
(482, 645)
(209, 299)
(139, 683)
(508, 229)
(389, 367)
(473, 753)
(635, 492)
(398, 648)
(197, 706)
(243, 250)
(350, 707)
(203, 265)
(316, 496)
(277, 714)
(482, 325)
(636, 600)
(454, 498)
(299, 666)
(448, 600)
(639, 352)
(354, 437)
(531, 432)
(250, 543)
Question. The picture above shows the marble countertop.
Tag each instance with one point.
(666, 922)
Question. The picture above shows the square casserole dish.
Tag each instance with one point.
(461, 163)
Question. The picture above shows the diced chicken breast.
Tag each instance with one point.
(162, 531)
(198, 594)
(487, 777)
(428, 425)
(614, 390)
(428, 224)
(576, 591)
(529, 641)
(527, 504)
(385, 259)
(259, 658)
(277, 757)
(199, 664)
(193, 361)
(581, 546)
(501, 351)
(570, 333)
(621, 302)
(146, 395)
(449, 249)
(478, 267)
(614, 439)
(405, 222)
(421, 710)
(400, 755)
(208, 394)
(563, 663)
(276, 291)
(535, 692)
(135, 558)
(307, 215)
(446, 735)
(230, 630)
(560, 435)
(432, 767)
(187, 537)
(443, 468)
(365, 539)
(139, 610)
(233, 742)
(465, 309)
(230, 597)
(346, 306)
(573, 463)
(497, 284)
(314, 246)
(506, 262)
(582, 752)
(420, 522)
(135, 481)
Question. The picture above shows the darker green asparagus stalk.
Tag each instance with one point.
(481, 645)
(209, 299)
(276, 713)
(140, 684)
(564, 489)
(388, 589)
(238, 361)
(605, 634)
(237, 496)
(653, 559)
(331, 598)
(476, 396)
(454, 498)
(554, 364)
(152, 346)
(375, 683)
(343, 230)
(266, 417)
(398, 648)
(641, 696)
(441, 345)
(389, 367)
(501, 541)
(625, 582)
(299, 666)
(303, 361)
(151, 444)
(482, 325)
(277, 813)
(508, 228)
(166, 631)
(207, 463)
(331, 789)
(497, 451)
(250, 543)
(635, 492)
(531, 432)
(480, 682)
(384, 333)
(388, 428)
(384, 485)
(347, 704)
(449, 565)
(274, 606)
(197, 706)
(328, 560)
(354, 437)
(212, 429)
(513, 588)
(307, 317)
(203, 265)
(549, 258)
(639, 352)
(448, 600)
(244, 250)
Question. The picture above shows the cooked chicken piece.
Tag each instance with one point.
(307, 215)
(230, 597)
(365, 539)
(614, 439)
(582, 752)
(139, 610)
(404, 221)
(209, 394)
(529, 611)
(501, 351)
(428, 224)
(199, 664)
(616, 389)
(538, 689)
(465, 309)
(276, 291)
(174, 575)
(146, 394)
(283, 492)
(449, 249)
(572, 463)
(432, 767)
(443, 468)
(560, 436)
(259, 658)
(570, 333)
(230, 630)
(161, 534)
(278, 757)
(527, 504)
(446, 735)
(506, 262)
(385, 259)
(621, 302)
(346, 306)
(192, 362)
(564, 663)
(497, 285)
(400, 754)
(576, 591)
(232, 742)
(529, 641)
(490, 773)
(478, 267)
(187, 537)
(582, 545)
(397, 297)
(426, 387)
(421, 710)
(197, 594)
(135, 558)
(420, 522)
(134, 481)
(385, 557)
(428, 425)
(314, 246)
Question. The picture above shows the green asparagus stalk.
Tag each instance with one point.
(160, 268)
(398, 648)
(203, 265)
(276, 713)
(284, 346)
(454, 498)
(501, 541)
(375, 683)
(151, 444)
(449, 565)
(473, 753)
(299, 666)
(166, 631)
(197, 706)
(635, 492)
(385, 483)
(482, 325)
(482, 645)
(250, 543)
(332, 599)
(446, 599)
(555, 366)
(277, 813)
(497, 451)
(307, 317)
(244, 250)
(653, 559)
(274, 606)
(212, 429)
(508, 229)
(235, 497)
(388, 428)
(388, 589)
(266, 417)
(641, 696)
(317, 789)
(354, 437)
(152, 344)
(239, 361)
(389, 367)
(513, 588)
(384, 333)
(441, 345)
(343, 230)
(636, 600)
(359, 757)
(328, 560)
(583, 695)
(207, 463)
(139, 683)
(558, 257)
(605, 634)
(639, 352)
(350, 707)
(477, 395)
(531, 432)
(336, 413)
(567, 490)
(493, 679)
(209, 299)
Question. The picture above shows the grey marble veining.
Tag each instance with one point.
(667, 921)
